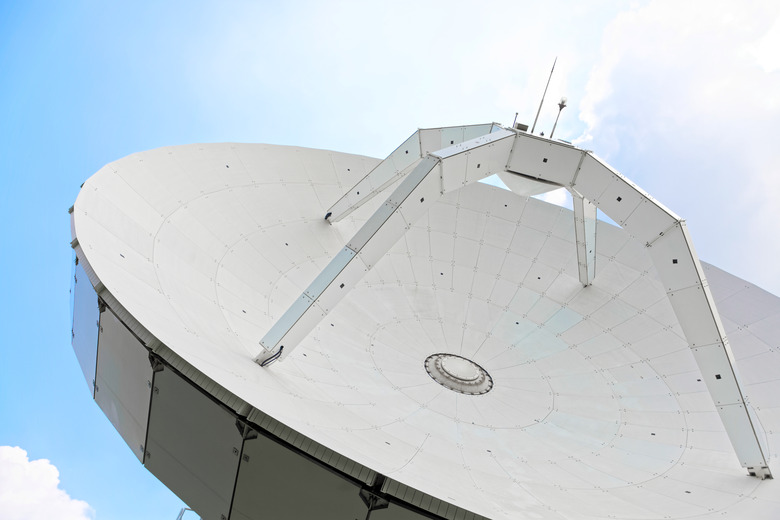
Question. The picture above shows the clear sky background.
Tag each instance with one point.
(681, 97)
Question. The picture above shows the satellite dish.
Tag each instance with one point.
(434, 348)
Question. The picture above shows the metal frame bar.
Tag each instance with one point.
(585, 214)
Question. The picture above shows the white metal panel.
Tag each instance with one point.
(743, 436)
(451, 136)
(649, 221)
(474, 159)
(635, 329)
(501, 144)
(421, 267)
(430, 140)
(331, 272)
(387, 235)
(377, 220)
(442, 246)
(725, 285)
(349, 169)
(499, 234)
(716, 371)
(542, 311)
(141, 215)
(558, 253)
(585, 214)
(491, 260)
(466, 252)
(471, 223)
(674, 261)
(453, 173)
(515, 268)
(141, 175)
(416, 239)
(123, 381)
(274, 482)
(750, 307)
(313, 167)
(643, 292)
(303, 326)
(544, 159)
(441, 216)
(403, 268)
(341, 284)
(86, 321)
(403, 156)
(695, 316)
(131, 237)
(618, 200)
(528, 241)
(593, 177)
(193, 445)
(283, 325)
(540, 277)
(411, 182)
(429, 189)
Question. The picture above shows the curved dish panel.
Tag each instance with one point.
(597, 405)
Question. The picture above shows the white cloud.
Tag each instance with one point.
(559, 197)
(362, 76)
(29, 490)
(765, 49)
(685, 100)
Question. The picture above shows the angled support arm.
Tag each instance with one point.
(585, 214)
(349, 266)
(670, 247)
(447, 170)
(402, 161)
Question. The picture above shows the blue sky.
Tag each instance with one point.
(682, 99)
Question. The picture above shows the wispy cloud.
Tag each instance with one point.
(29, 490)
(685, 100)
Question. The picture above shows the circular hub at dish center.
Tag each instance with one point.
(458, 374)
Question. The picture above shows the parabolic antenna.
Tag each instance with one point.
(446, 349)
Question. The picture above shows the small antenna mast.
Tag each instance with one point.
(545, 93)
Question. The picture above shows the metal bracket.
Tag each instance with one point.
(761, 472)
(372, 499)
(156, 363)
(246, 431)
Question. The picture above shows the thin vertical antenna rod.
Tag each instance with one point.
(545, 93)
